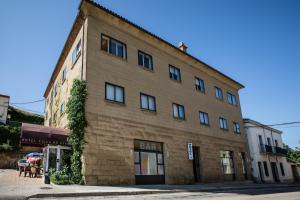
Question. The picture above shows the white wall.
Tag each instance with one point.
(252, 134)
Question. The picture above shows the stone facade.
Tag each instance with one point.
(108, 156)
(4, 102)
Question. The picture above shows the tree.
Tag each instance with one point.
(293, 155)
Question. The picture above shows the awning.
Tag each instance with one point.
(40, 136)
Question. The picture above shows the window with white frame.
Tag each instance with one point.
(203, 117)
(114, 93)
(200, 85)
(223, 123)
(236, 127)
(145, 60)
(76, 52)
(174, 73)
(231, 99)
(113, 46)
(148, 102)
(219, 93)
(178, 111)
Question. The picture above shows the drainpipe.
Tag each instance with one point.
(82, 54)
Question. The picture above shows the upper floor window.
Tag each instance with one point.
(64, 75)
(114, 93)
(236, 127)
(203, 117)
(231, 99)
(148, 102)
(178, 111)
(200, 85)
(62, 107)
(269, 141)
(76, 52)
(55, 89)
(276, 143)
(223, 123)
(113, 46)
(219, 93)
(174, 73)
(145, 60)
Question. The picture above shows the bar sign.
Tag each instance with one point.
(190, 151)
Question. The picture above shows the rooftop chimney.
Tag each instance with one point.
(182, 47)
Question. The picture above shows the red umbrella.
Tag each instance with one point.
(33, 159)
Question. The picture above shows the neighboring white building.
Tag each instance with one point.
(4, 102)
(267, 154)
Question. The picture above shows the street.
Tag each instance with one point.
(292, 193)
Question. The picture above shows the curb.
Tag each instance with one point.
(216, 189)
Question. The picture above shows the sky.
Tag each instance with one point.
(256, 42)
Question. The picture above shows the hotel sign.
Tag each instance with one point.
(190, 151)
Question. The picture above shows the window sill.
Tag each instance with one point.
(153, 112)
(176, 81)
(205, 125)
(110, 102)
(224, 129)
(179, 119)
(114, 56)
(200, 92)
(146, 69)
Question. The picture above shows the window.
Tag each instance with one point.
(178, 111)
(76, 52)
(174, 73)
(148, 102)
(219, 93)
(55, 89)
(64, 75)
(113, 46)
(276, 143)
(231, 99)
(203, 117)
(269, 141)
(223, 123)
(200, 85)
(145, 60)
(148, 158)
(62, 107)
(114, 93)
(227, 162)
(266, 168)
(236, 127)
(282, 169)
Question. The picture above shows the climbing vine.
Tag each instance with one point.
(76, 124)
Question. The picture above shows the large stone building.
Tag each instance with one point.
(4, 103)
(267, 153)
(155, 113)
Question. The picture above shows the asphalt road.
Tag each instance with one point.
(292, 193)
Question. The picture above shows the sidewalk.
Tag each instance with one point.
(14, 187)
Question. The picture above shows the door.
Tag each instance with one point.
(260, 172)
(196, 164)
(274, 171)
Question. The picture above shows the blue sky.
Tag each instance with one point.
(255, 42)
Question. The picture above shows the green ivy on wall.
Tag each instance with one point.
(76, 124)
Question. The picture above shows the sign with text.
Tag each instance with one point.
(190, 151)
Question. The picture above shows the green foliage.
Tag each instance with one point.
(9, 138)
(20, 116)
(76, 124)
(61, 177)
(293, 155)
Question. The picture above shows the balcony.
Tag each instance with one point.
(272, 150)
(280, 151)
